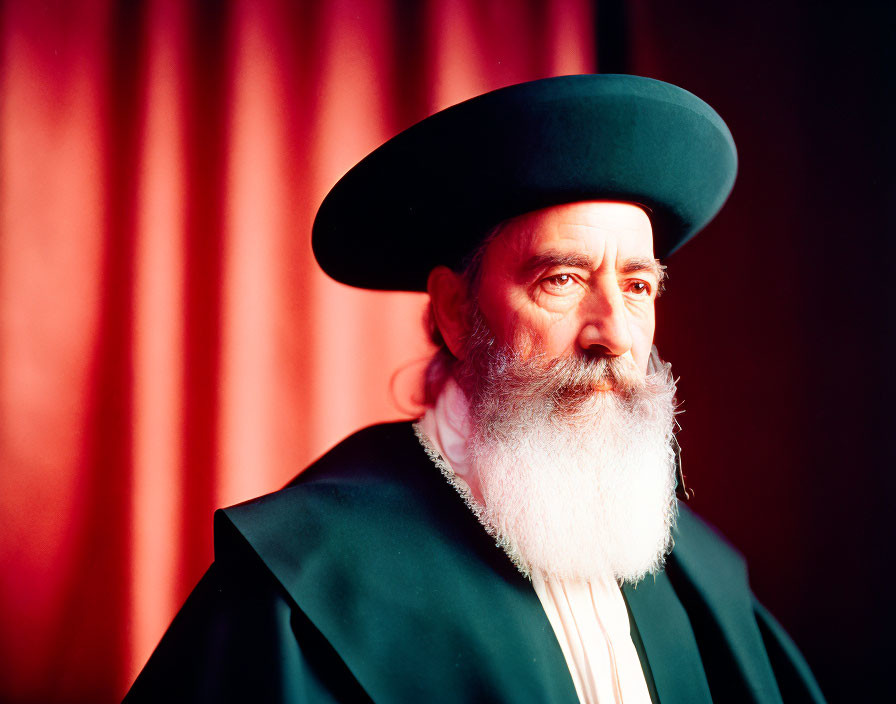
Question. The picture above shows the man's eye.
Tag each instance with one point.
(640, 287)
(557, 282)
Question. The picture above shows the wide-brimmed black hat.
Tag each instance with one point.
(430, 194)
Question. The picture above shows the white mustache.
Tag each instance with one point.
(568, 382)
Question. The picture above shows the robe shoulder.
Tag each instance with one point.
(240, 635)
(238, 638)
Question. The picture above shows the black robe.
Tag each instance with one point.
(368, 578)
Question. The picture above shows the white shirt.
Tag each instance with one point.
(590, 619)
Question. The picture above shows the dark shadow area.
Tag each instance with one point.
(779, 316)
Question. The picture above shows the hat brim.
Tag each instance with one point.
(429, 195)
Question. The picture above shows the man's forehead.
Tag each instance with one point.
(579, 232)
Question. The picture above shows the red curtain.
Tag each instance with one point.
(168, 344)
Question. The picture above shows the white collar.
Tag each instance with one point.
(446, 426)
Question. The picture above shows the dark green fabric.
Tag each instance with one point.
(795, 679)
(721, 613)
(369, 578)
(238, 638)
(642, 654)
(428, 195)
(660, 620)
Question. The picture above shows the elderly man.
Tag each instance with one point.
(522, 541)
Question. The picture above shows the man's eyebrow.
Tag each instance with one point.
(553, 258)
(576, 260)
(636, 264)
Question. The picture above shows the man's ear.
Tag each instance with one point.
(448, 295)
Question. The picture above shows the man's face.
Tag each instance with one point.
(563, 307)
(576, 279)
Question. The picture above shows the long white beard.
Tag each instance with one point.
(577, 484)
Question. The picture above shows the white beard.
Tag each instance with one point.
(577, 484)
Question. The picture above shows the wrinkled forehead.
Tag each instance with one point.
(595, 228)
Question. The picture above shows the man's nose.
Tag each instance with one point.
(605, 328)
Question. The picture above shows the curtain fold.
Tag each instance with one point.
(168, 345)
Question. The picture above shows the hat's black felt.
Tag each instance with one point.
(429, 194)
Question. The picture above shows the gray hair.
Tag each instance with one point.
(442, 364)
